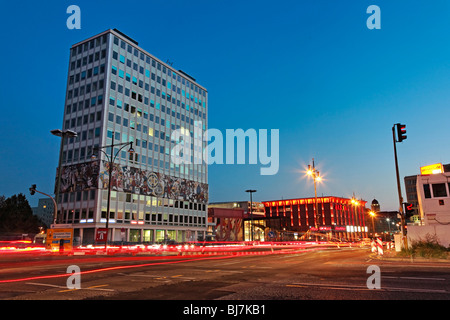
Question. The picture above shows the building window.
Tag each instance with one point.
(439, 190)
(427, 191)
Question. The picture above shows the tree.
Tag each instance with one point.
(16, 215)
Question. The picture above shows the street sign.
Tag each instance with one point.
(59, 239)
(100, 235)
(60, 226)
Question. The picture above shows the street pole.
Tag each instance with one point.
(389, 225)
(315, 175)
(251, 211)
(58, 184)
(55, 209)
(373, 228)
(315, 202)
(63, 135)
(400, 198)
(109, 191)
(111, 159)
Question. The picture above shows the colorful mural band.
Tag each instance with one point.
(78, 177)
(137, 181)
(229, 229)
(86, 176)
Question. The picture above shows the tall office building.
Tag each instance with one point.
(118, 94)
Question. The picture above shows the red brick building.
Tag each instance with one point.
(336, 217)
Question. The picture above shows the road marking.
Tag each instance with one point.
(45, 285)
(66, 290)
(415, 278)
(415, 290)
(296, 286)
(350, 287)
(332, 288)
(90, 288)
(154, 276)
(158, 277)
(330, 285)
(100, 285)
(226, 264)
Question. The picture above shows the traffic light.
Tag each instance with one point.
(409, 210)
(33, 189)
(401, 132)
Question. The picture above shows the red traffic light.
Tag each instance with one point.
(401, 132)
(409, 209)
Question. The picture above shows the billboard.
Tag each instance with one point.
(432, 169)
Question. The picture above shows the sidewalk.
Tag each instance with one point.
(392, 256)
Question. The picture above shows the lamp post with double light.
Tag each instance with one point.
(111, 158)
(372, 214)
(251, 210)
(355, 204)
(64, 135)
(313, 173)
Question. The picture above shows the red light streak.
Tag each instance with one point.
(191, 254)
(111, 269)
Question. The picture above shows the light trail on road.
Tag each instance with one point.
(111, 269)
(188, 257)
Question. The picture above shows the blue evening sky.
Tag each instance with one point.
(311, 69)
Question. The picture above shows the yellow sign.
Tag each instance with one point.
(432, 169)
(59, 239)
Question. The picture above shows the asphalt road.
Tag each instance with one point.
(324, 274)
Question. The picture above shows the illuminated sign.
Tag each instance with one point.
(58, 239)
(101, 235)
(432, 169)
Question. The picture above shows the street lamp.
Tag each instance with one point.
(111, 158)
(312, 172)
(355, 204)
(372, 214)
(251, 210)
(63, 134)
(389, 225)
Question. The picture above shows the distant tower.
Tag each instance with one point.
(375, 205)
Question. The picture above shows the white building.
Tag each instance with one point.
(433, 194)
(434, 198)
(119, 93)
